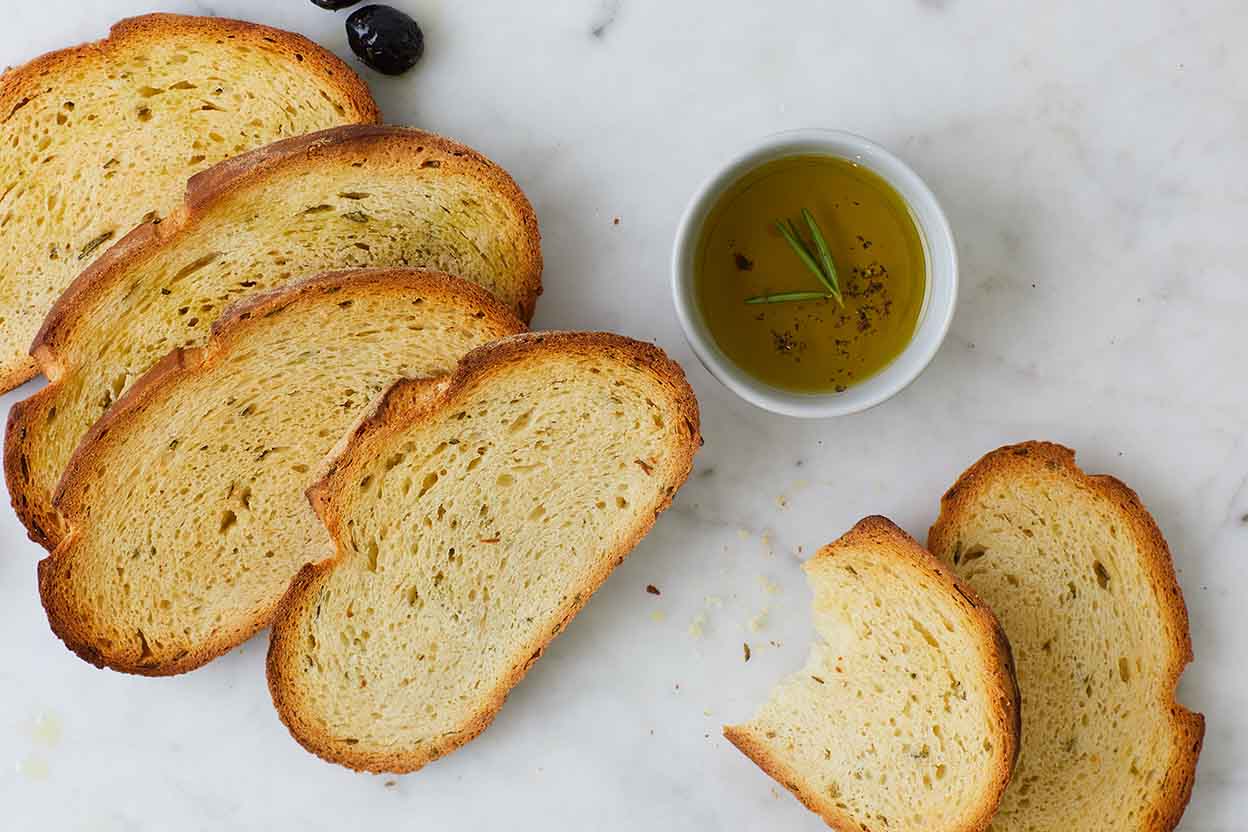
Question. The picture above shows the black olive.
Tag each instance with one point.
(385, 38)
(334, 5)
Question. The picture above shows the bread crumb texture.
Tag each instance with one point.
(905, 716)
(473, 518)
(99, 138)
(1084, 585)
(353, 197)
(186, 507)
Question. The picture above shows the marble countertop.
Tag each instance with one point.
(1091, 160)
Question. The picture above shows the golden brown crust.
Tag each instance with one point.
(42, 525)
(1026, 459)
(20, 85)
(887, 540)
(20, 372)
(232, 328)
(410, 146)
(410, 402)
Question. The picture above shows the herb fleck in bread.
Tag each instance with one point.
(185, 503)
(473, 517)
(906, 715)
(1083, 583)
(96, 138)
(350, 197)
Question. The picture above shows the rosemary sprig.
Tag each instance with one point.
(789, 231)
(829, 274)
(818, 260)
(785, 297)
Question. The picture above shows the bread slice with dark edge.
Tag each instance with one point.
(185, 504)
(99, 137)
(351, 197)
(473, 517)
(906, 715)
(1084, 584)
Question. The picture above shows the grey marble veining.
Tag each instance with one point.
(1091, 160)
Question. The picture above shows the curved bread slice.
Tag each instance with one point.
(473, 516)
(1083, 582)
(345, 198)
(98, 138)
(906, 715)
(185, 503)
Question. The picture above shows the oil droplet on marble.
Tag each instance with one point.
(33, 767)
(47, 729)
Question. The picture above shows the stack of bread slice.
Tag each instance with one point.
(222, 334)
(913, 713)
(348, 197)
(102, 137)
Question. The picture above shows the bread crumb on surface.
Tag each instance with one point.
(697, 627)
(744, 534)
(769, 586)
(713, 602)
(759, 621)
(652, 589)
(658, 616)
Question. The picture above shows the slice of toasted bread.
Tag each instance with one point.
(98, 138)
(473, 517)
(1083, 582)
(344, 198)
(906, 715)
(184, 505)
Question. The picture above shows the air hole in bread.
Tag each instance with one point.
(972, 553)
(430, 480)
(923, 631)
(520, 422)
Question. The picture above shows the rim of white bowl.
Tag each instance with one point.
(940, 293)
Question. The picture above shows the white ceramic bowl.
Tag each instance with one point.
(939, 299)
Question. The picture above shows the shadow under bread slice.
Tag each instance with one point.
(473, 517)
(1084, 585)
(352, 197)
(184, 505)
(906, 714)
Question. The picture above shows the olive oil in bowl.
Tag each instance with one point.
(746, 273)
